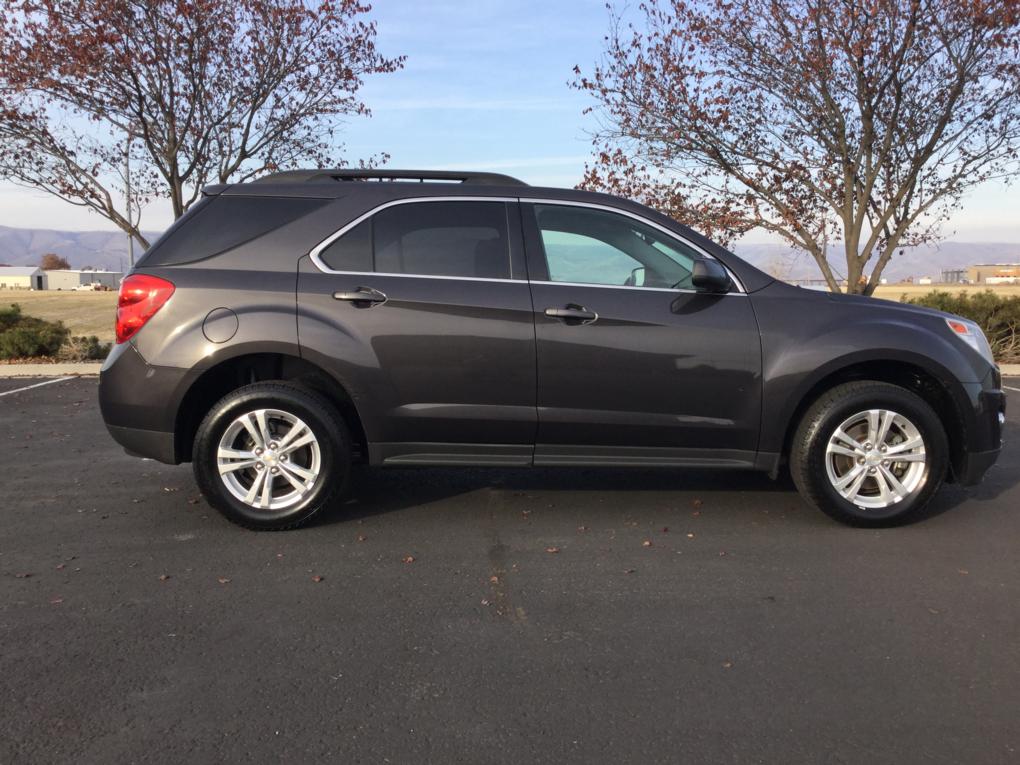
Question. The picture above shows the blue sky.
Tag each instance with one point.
(486, 87)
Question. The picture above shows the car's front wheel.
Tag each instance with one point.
(271, 455)
(869, 454)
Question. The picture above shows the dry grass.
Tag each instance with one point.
(84, 313)
(897, 291)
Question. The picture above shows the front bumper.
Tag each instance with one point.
(984, 435)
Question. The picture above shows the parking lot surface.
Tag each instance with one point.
(623, 616)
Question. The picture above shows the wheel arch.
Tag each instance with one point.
(929, 381)
(229, 374)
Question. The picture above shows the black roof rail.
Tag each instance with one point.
(421, 176)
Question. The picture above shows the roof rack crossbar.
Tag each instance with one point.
(422, 176)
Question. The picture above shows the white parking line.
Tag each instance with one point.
(1012, 389)
(37, 385)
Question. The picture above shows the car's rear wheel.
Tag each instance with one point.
(272, 455)
(869, 454)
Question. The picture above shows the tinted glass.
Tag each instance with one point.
(352, 251)
(587, 246)
(222, 223)
(443, 239)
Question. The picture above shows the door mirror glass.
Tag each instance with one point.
(710, 276)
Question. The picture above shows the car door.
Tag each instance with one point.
(422, 309)
(634, 364)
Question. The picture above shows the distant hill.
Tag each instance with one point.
(100, 249)
(930, 260)
(108, 249)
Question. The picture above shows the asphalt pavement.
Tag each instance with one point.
(505, 616)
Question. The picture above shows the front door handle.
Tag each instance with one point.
(362, 297)
(573, 314)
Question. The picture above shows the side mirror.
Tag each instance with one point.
(710, 276)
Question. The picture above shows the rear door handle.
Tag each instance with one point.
(573, 314)
(362, 297)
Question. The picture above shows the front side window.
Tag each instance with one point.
(465, 239)
(588, 246)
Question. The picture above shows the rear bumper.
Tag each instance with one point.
(138, 403)
(153, 444)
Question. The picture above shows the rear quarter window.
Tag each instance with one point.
(217, 224)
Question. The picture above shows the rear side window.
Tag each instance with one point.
(467, 239)
(221, 223)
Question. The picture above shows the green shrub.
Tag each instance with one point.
(9, 316)
(28, 337)
(998, 316)
(80, 348)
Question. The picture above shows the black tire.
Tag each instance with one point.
(316, 412)
(808, 460)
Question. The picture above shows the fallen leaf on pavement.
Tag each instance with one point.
(56, 601)
(362, 537)
(727, 664)
(317, 578)
(408, 559)
(690, 536)
(647, 543)
(25, 575)
(164, 577)
(223, 580)
(552, 549)
(696, 503)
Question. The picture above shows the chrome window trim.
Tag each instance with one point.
(316, 252)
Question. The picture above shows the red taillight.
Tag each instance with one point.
(140, 297)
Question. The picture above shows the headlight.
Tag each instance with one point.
(972, 335)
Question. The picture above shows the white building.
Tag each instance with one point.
(71, 279)
(22, 278)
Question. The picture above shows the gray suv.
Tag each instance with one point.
(286, 329)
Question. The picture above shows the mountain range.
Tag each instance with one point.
(108, 250)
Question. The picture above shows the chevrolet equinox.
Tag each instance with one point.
(285, 329)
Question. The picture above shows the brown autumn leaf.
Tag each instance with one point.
(408, 559)
(56, 601)
(647, 543)
(696, 503)
(629, 570)
(962, 571)
(722, 553)
(553, 550)
(665, 529)
(223, 580)
(164, 577)
(494, 579)
(582, 529)
(362, 537)
(317, 578)
(690, 536)
(695, 514)
(727, 664)
(61, 567)
(25, 575)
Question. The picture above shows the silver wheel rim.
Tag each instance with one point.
(876, 459)
(269, 459)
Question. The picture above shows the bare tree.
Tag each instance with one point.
(194, 91)
(861, 121)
